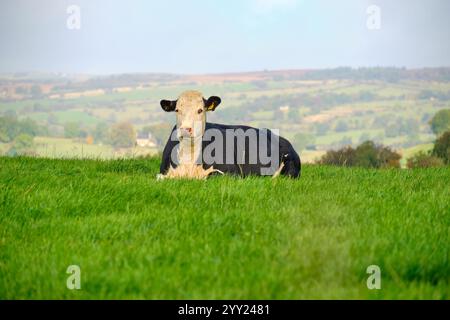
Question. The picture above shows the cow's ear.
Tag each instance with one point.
(212, 103)
(168, 105)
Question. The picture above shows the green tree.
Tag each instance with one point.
(72, 130)
(22, 145)
(344, 157)
(387, 158)
(441, 147)
(368, 155)
(440, 122)
(30, 127)
(101, 132)
(122, 135)
(9, 128)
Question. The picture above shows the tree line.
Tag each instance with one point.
(371, 155)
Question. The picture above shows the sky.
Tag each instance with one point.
(207, 36)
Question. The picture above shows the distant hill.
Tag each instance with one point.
(329, 107)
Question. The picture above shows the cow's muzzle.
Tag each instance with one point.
(185, 132)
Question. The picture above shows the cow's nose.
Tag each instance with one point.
(186, 131)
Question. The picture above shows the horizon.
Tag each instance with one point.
(68, 74)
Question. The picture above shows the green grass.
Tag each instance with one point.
(49, 147)
(255, 238)
(70, 148)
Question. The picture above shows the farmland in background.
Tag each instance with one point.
(316, 109)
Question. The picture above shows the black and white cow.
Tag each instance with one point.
(234, 149)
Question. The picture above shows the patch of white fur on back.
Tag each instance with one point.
(188, 171)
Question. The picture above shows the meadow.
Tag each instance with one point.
(48, 147)
(223, 238)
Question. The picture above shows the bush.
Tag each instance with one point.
(442, 147)
(11, 127)
(72, 130)
(22, 145)
(440, 122)
(424, 160)
(368, 155)
(101, 132)
(344, 157)
(387, 158)
(122, 135)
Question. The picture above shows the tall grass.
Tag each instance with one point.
(254, 238)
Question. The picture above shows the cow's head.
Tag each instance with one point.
(191, 108)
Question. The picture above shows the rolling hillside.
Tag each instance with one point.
(317, 110)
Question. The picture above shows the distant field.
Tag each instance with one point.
(66, 116)
(310, 156)
(224, 238)
(368, 108)
(72, 148)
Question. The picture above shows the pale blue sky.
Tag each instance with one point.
(205, 36)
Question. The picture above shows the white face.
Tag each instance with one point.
(191, 116)
(191, 110)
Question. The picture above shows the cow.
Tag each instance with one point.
(231, 149)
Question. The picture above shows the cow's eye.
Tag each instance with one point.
(199, 111)
(176, 110)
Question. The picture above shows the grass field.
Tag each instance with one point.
(74, 148)
(255, 238)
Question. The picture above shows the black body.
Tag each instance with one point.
(287, 155)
